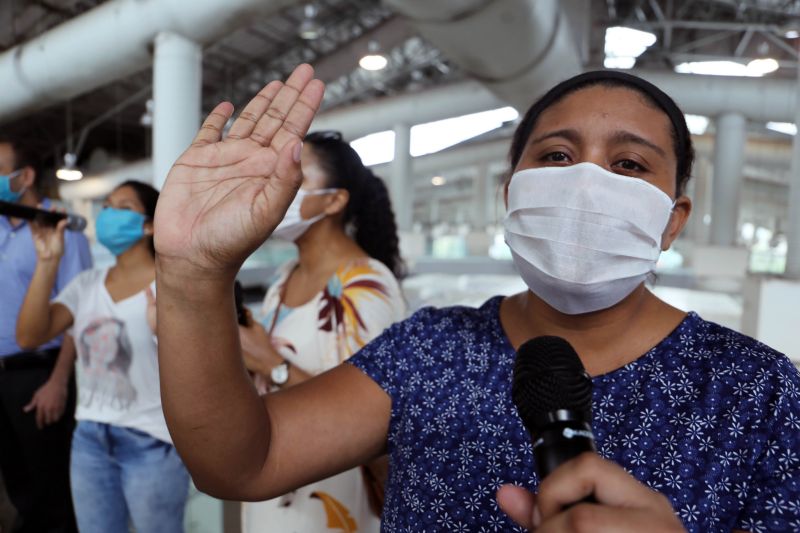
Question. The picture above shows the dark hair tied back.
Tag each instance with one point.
(369, 210)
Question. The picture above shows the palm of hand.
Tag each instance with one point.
(216, 193)
(48, 241)
(223, 198)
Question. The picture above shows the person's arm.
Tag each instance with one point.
(260, 356)
(50, 399)
(40, 321)
(220, 201)
(75, 260)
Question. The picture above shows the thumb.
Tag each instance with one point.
(32, 405)
(151, 298)
(287, 168)
(520, 505)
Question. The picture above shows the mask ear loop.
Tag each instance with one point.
(13, 175)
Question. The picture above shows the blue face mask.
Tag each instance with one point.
(6, 194)
(119, 229)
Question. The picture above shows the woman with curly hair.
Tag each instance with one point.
(323, 307)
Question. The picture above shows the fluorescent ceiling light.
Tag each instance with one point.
(754, 69)
(373, 62)
(69, 174)
(698, 124)
(438, 181)
(782, 127)
(623, 45)
(310, 28)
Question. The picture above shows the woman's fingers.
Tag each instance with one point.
(278, 111)
(589, 474)
(151, 298)
(243, 126)
(300, 116)
(606, 519)
(211, 130)
(519, 504)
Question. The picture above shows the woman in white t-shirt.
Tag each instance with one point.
(124, 469)
(339, 294)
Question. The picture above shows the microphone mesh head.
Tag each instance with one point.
(549, 376)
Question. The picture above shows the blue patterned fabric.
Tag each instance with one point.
(709, 417)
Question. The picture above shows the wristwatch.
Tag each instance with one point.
(279, 374)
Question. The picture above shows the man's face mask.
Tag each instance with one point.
(6, 193)
(584, 238)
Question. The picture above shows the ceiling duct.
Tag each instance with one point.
(517, 48)
(112, 41)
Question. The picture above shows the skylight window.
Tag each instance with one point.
(432, 137)
(783, 127)
(624, 45)
(697, 124)
(754, 69)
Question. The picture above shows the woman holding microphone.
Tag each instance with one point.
(124, 468)
(696, 425)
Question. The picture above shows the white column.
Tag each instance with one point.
(480, 213)
(728, 162)
(402, 187)
(793, 230)
(701, 201)
(495, 208)
(177, 78)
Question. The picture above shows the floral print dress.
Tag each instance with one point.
(359, 302)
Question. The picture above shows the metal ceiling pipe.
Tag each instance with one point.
(759, 99)
(517, 48)
(110, 42)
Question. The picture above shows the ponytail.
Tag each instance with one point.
(369, 209)
(375, 227)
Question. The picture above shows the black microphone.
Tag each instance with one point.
(553, 395)
(42, 216)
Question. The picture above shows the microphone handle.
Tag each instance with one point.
(560, 441)
(42, 216)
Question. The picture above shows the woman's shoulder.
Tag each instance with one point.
(723, 351)
(363, 267)
(364, 273)
(455, 320)
(729, 341)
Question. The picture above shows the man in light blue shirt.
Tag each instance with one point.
(37, 393)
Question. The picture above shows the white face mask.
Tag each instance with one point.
(581, 237)
(293, 225)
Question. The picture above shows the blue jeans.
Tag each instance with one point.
(120, 476)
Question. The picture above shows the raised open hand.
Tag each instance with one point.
(48, 240)
(223, 198)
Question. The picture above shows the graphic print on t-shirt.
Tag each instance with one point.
(105, 364)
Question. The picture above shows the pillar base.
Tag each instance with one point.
(770, 313)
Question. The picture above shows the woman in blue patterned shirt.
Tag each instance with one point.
(697, 426)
